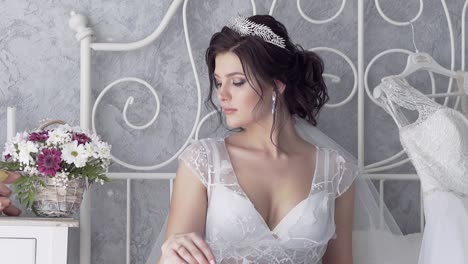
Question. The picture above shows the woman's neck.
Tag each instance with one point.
(282, 141)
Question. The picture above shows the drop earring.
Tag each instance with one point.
(273, 105)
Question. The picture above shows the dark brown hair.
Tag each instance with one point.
(263, 63)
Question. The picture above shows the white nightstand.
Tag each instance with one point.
(34, 240)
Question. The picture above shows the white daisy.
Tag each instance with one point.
(20, 136)
(92, 150)
(58, 136)
(25, 149)
(104, 150)
(74, 153)
(94, 137)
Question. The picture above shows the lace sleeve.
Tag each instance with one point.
(345, 173)
(196, 157)
(400, 92)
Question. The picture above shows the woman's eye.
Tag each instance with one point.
(217, 84)
(239, 83)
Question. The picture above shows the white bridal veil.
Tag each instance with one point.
(377, 239)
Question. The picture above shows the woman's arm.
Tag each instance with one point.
(340, 250)
(187, 215)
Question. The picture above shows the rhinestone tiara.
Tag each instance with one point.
(244, 27)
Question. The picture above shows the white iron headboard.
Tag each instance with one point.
(85, 35)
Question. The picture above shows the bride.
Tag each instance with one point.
(279, 190)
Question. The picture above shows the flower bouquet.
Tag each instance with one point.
(57, 165)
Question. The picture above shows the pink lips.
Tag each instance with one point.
(228, 111)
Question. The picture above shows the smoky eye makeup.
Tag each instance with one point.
(216, 83)
(238, 82)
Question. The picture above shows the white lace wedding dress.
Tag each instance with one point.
(237, 233)
(437, 145)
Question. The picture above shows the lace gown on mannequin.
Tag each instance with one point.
(437, 145)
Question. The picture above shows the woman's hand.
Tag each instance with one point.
(188, 248)
(5, 203)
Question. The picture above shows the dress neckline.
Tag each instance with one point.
(290, 211)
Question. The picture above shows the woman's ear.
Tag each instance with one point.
(281, 86)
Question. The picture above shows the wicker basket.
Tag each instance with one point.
(58, 198)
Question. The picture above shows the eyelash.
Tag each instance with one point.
(237, 84)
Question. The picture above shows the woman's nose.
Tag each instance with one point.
(223, 93)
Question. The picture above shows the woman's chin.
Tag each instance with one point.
(232, 124)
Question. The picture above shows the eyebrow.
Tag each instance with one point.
(230, 74)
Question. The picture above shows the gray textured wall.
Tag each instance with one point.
(39, 74)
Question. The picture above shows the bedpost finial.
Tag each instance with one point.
(77, 21)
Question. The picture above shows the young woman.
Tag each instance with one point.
(278, 191)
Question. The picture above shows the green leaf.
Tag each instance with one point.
(21, 180)
(26, 188)
(10, 166)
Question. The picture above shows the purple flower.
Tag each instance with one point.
(81, 138)
(49, 161)
(39, 136)
(7, 157)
